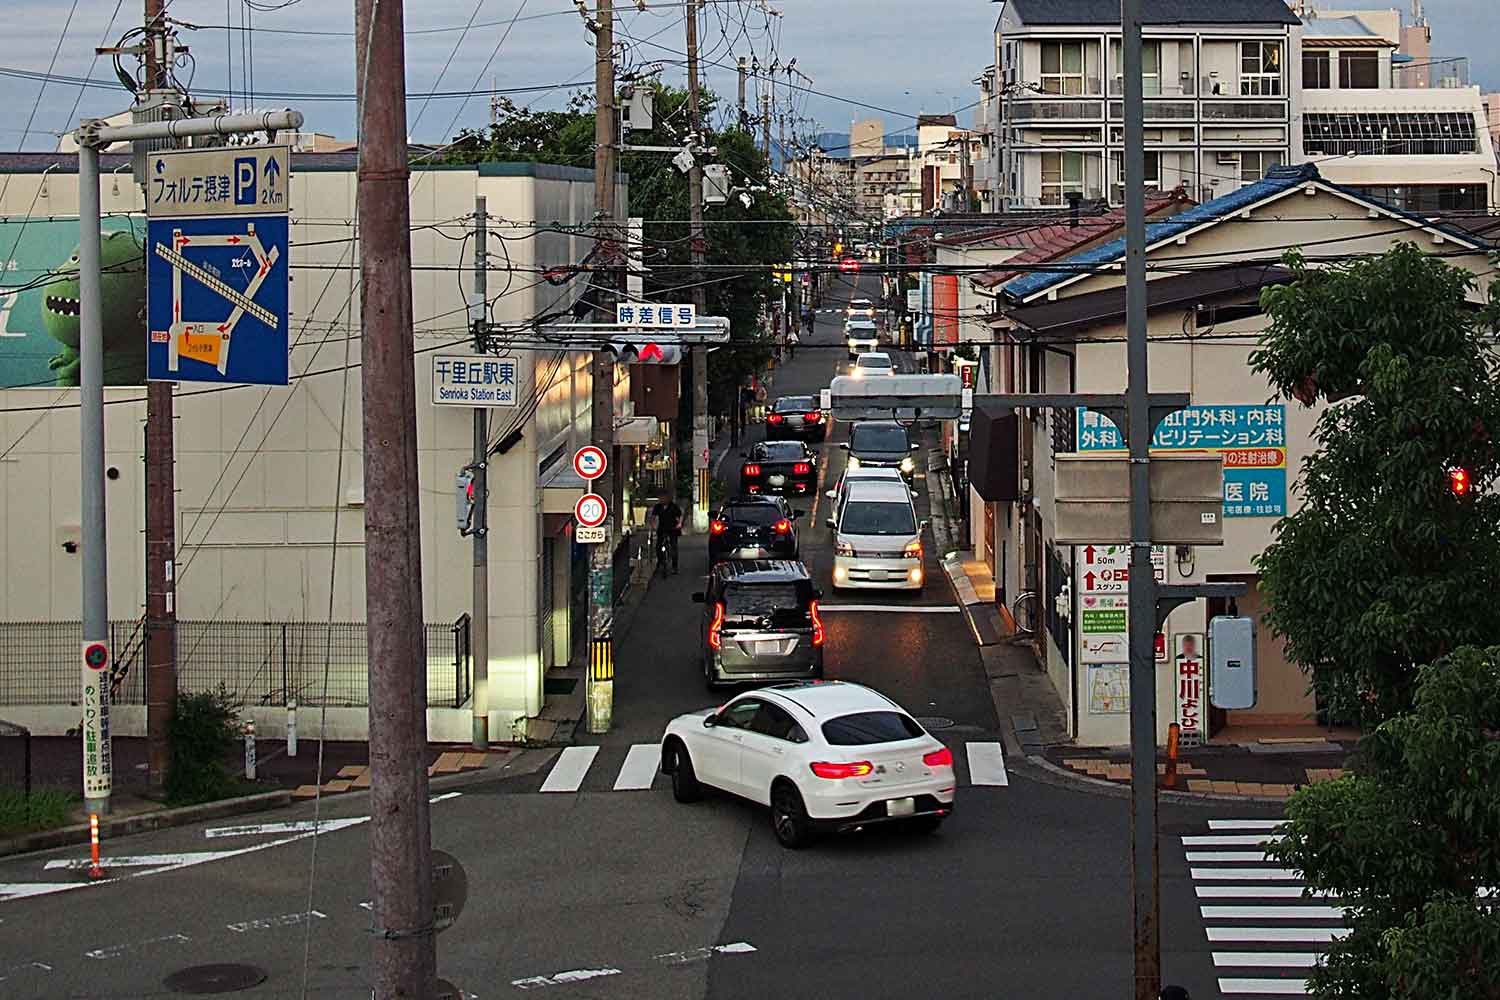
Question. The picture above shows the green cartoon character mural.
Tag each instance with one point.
(123, 290)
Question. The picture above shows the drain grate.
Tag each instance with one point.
(220, 978)
(931, 722)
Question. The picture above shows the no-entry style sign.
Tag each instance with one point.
(589, 462)
(591, 510)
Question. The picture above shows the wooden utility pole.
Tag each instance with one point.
(400, 832)
(696, 247)
(601, 676)
(161, 502)
(744, 122)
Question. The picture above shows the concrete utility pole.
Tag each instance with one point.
(744, 122)
(161, 502)
(404, 947)
(765, 129)
(1142, 602)
(479, 619)
(601, 677)
(700, 353)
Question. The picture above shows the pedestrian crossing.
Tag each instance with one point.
(637, 768)
(1264, 927)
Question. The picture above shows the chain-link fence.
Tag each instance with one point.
(260, 663)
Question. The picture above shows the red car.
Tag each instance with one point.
(786, 467)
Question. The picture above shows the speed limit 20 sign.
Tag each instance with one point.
(591, 510)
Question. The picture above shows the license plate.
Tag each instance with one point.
(877, 575)
(901, 807)
(778, 480)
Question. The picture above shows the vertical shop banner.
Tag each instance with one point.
(1190, 686)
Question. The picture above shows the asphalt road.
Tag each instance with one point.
(594, 892)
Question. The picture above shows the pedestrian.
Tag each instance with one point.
(792, 341)
(666, 519)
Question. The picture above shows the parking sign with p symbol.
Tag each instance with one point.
(244, 180)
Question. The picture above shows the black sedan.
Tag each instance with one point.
(788, 468)
(796, 417)
(751, 527)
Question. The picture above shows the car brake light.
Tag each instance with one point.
(913, 549)
(775, 418)
(835, 771)
(717, 527)
(939, 758)
(782, 527)
(752, 470)
(718, 623)
(814, 417)
(817, 621)
(801, 468)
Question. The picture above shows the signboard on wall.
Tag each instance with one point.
(1189, 686)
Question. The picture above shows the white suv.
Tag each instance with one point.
(877, 539)
(862, 335)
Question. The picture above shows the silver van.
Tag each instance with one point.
(877, 539)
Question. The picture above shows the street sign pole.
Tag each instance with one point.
(479, 620)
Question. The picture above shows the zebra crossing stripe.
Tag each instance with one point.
(1227, 856)
(1244, 824)
(1230, 840)
(1261, 892)
(1272, 912)
(1243, 874)
(986, 764)
(1277, 935)
(1265, 959)
(1264, 987)
(568, 773)
(639, 768)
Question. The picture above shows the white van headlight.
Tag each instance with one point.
(907, 464)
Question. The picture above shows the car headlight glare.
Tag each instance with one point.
(853, 462)
(907, 464)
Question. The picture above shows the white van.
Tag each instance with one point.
(877, 539)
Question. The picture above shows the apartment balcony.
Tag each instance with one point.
(1159, 111)
(1245, 110)
(1056, 110)
(1182, 86)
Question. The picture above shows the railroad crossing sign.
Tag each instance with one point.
(591, 510)
(589, 462)
(217, 265)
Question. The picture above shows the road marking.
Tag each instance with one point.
(986, 764)
(12, 970)
(568, 773)
(1272, 912)
(300, 826)
(639, 768)
(1265, 959)
(138, 861)
(1261, 892)
(20, 890)
(285, 920)
(562, 978)
(1280, 935)
(1244, 824)
(919, 609)
(702, 954)
(1264, 987)
(1227, 856)
(122, 949)
(1243, 874)
(1231, 840)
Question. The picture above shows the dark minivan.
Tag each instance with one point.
(760, 623)
(881, 444)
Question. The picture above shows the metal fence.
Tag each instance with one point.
(260, 663)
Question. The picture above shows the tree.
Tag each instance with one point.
(1383, 568)
(1410, 843)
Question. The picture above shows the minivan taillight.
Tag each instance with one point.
(836, 771)
(714, 641)
(939, 758)
(817, 621)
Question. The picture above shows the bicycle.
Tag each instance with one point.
(666, 546)
(1025, 612)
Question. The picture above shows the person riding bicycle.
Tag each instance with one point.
(666, 518)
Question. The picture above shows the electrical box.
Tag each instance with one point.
(716, 184)
(637, 113)
(1231, 659)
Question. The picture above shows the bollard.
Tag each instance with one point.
(1174, 737)
(291, 728)
(249, 749)
(94, 870)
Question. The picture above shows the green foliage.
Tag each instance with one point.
(204, 732)
(1408, 843)
(43, 809)
(658, 192)
(1383, 568)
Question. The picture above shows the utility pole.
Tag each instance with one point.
(695, 240)
(601, 556)
(404, 947)
(1144, 858)
(765, 129)
(161, 500)
(744, 122)
(479, 618)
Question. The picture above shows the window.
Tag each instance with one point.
(1413, 133)
(864, 517)
(762, 514)
(1260, 69)
(780, 451)
(1429, 197)
(777, 724)
(1316, 71)
(878, 438)
(1253, 166)
(1359, 70)
(864, 728)
(1152, 177)
(1061, 173)
(740, 714)
(1150, 69)
(1062, 67)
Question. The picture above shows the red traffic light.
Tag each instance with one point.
(1458, 481)
(849, 265)
(650, 352)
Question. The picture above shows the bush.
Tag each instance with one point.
(205, 730)
(44, 809)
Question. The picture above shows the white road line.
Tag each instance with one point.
(1230, 840)
(138, 861)
(20, 890)
(916, 609)
(115, 951)
(1272, 912)
(12, 970)
(986, 764)
(639, 768)
(702, 954)
(1244, 874)
(1227, 856)
(285, 920)
(1264, 987)
(1261, 892)
(1244, 824)
(562, 978)
(1265, 959)
(300, 826)
(568, 773)
(1277, 935)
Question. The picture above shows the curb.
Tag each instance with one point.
(1118, 790)
(976, 612)
(145, 822)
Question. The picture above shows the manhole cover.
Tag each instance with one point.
(935, 722)
(222, 978)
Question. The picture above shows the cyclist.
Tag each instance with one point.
(666, 518)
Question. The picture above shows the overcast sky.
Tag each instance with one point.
(891, 58)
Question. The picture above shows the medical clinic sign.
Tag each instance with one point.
(1251, 439)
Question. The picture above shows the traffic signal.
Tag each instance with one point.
(464, 494)
(1458, 480)
(644, 351)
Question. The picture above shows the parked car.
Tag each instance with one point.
(877, 539)
(760, 622)
(796, 417)
(786, 467)
(824, 756)
(753, 527)
(872, 364)
(862, 335)
(881, 444)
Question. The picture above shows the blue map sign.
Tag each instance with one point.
(1251, 439)
(217, 266)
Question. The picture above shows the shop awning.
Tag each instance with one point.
(636, 431)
